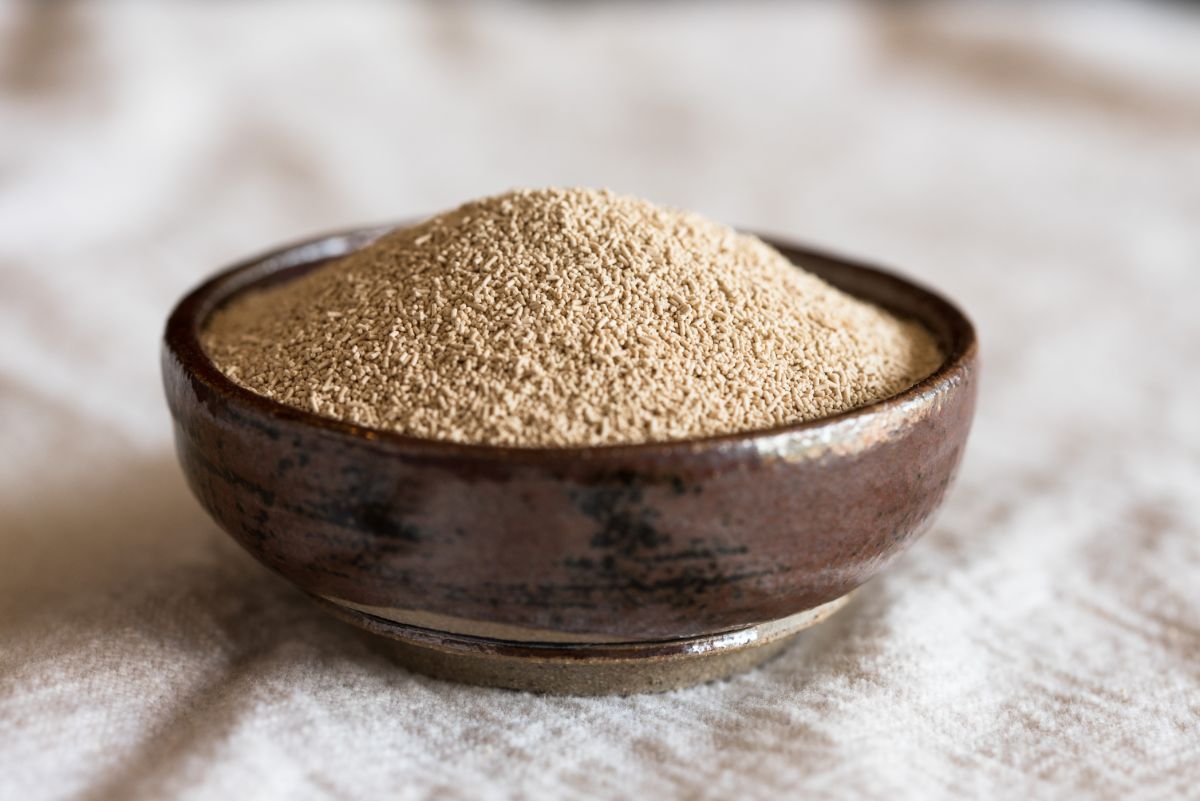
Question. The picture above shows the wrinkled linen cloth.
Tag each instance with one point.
(1040, 164)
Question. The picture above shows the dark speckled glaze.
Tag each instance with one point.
(629, 543)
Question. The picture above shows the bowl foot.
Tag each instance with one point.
(583, 668)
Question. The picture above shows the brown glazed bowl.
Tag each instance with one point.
(582, 570)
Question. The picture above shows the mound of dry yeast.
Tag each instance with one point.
(560, 317)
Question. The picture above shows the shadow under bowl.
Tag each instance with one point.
(582, 570)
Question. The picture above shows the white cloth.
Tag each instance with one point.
(1039, 163)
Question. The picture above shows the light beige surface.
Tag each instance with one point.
(1040, 166)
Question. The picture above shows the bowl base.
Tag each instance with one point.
(582, 668)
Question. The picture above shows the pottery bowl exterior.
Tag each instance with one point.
(651, 542)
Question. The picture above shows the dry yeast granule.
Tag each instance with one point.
(563, 317)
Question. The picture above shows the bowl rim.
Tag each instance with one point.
(181, 339)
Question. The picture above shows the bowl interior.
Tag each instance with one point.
(950, 327)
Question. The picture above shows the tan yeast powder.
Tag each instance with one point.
(558, 317)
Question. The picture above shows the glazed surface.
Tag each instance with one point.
(612, 543)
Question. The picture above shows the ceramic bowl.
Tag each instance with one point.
(596, 569)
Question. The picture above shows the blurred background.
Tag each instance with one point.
(981, 147)
(1037, 162)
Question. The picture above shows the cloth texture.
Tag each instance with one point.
(1038, 163)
